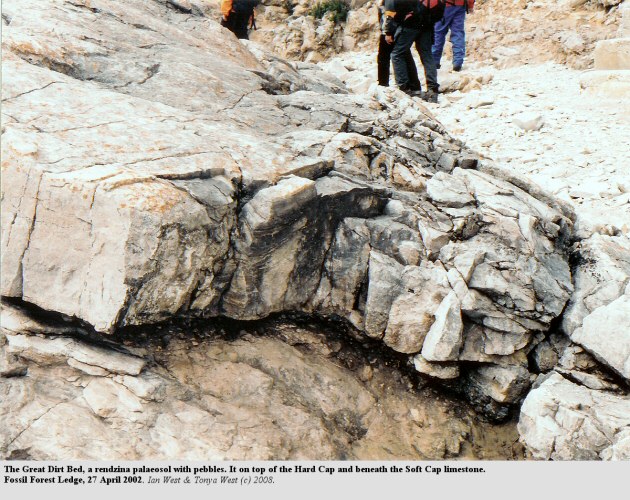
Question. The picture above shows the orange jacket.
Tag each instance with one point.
(226, 7)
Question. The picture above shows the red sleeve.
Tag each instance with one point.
(471, 4)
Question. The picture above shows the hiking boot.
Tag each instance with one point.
(430, 96)
(413, 93)
(457, 67)
(410, 92)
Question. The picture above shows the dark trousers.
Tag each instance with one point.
(237, 23)
(423, 39)
(383, 60)
(423, 42)
(402, 43)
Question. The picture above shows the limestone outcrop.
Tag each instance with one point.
(277, 392)
(504, 34)
(611, 61)
(292, 31)
(580, 408)
(561, 420)
(598, 312)
(155, 169)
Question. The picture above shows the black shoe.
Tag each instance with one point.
(430, 96)
(413, 93)
(410, 92)
(438, 66)
(457, 68)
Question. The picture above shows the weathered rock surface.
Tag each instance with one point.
(606, 83)
(291, 31)
(582, 411)
(606, 333)
(601, 276)
(561, 420)
(155, 167)
(278, 392)
(42, 350)
(529, 122)
(612, 54)
(500, 383)
(444, 339)
(586, 414)
(526, 32)
(259, 189)
(504, 33)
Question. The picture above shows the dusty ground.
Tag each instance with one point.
(581, 151)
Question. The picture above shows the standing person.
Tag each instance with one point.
(404, 24)
(454, 19)
(424, 42)
(383, 59)
(237, 16)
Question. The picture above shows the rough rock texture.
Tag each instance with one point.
(39, 349)
(606, 333)
(612, 61)
(525, 31)
(582, 410)
(607, 83)
(561, 420)
(289, 29)
(154, 167)
(500, 33)
(613, 54)
(130, 202)
(277, 392)
(600, 277)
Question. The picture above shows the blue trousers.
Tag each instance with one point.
(454, 18)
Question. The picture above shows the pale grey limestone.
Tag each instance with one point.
(561, 420)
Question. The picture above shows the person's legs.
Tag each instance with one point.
(241, 21)
(458, 36)
(383, 60)
(441, 29)
(412, 71)
(402, 44)
(423, 46)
